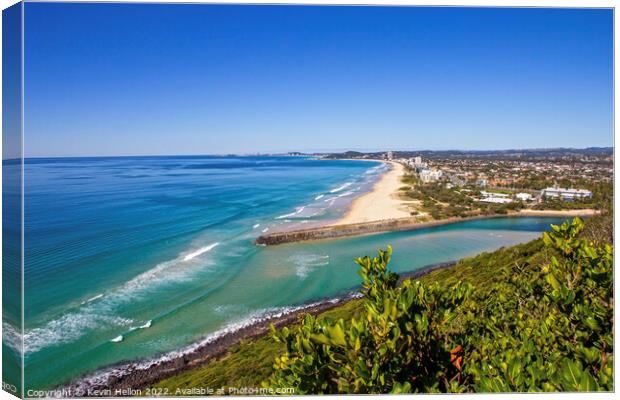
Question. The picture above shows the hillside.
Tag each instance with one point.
(508, 322)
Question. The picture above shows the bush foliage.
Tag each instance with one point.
(547, 328)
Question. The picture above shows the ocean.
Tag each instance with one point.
(131, 258)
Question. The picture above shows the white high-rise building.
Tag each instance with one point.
(430, 175)
(390, 156)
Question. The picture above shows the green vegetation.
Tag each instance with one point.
(248, 363)
(539, 328)
(440, 202)
(533, 317)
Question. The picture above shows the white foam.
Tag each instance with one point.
(297, 211)
(69, 328)
(100, 378)
(255, 226)
(95, 298)
(92, 315)
(11, 337)
(376, 169)
(345, 194)
(200, 251)
(147, 324)
(92, 299)
(265, 230)
(339, 188)
(306, 263)
(117, 339)
(319, 197)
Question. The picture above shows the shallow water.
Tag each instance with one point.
(128, 258)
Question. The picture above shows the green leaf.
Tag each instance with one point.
(588, 383)
(400, 388)
(571, 373)
(336, 335)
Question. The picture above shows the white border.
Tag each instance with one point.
(480, 3)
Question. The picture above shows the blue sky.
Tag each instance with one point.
(121, 79)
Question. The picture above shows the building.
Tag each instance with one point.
(499, 198)
(389, 156)
(481, 182)
(430, 175)
(457, 181)
(523, 196)
(418, 164)
(566, 194)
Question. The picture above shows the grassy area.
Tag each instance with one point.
(247, 365)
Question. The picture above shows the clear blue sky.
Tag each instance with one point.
(118, 79)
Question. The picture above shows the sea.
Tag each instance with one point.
(135, 259)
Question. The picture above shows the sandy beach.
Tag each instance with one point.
(381, 203)
(584, 212)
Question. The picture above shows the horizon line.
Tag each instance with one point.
(286, 152)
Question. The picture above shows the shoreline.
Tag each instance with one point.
(401, 224)
(130, 376)
(381, 210)
(381, 202)
(144, 373)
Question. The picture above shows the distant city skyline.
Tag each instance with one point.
(162, 79)
(325, 151)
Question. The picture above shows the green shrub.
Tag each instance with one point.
(543, 328)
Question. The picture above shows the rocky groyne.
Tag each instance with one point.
(393, 225)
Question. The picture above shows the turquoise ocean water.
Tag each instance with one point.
(136, 258)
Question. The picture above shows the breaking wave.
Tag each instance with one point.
(91, 314)
(297, 211)
(342, 187)
(200, 251)
(101, 378)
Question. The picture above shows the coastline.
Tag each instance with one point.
(144, 373)
(381, 202)
(133, 376)
(401, 224)
(381, 210)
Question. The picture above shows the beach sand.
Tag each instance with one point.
(584, 212)
(382, 202)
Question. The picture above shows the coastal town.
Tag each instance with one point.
(433, 188)
(444, 184)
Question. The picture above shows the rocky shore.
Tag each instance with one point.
(139, 375)
(399, 224)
